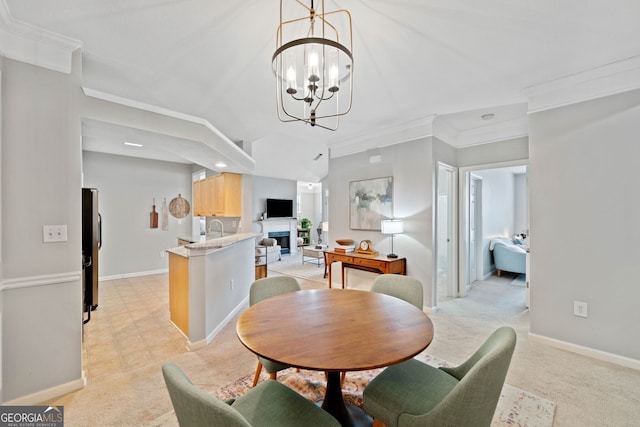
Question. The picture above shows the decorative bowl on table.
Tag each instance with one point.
(344, 242)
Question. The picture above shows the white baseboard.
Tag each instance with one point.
(49, 394)
(193, 346)
(127, 275)
(244, 303)
(587, 351)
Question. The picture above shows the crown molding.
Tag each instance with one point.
(30, 44)
(610, 79)
(409, 131)
(500, 131)
(445, 131)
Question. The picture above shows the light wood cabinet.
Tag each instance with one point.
(218, 195)
(206, 194)
(197, 198)
(227, 194)
(179, 292)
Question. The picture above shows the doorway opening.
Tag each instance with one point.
(310, 206)
(494, 204)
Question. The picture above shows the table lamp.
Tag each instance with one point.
(392, 227)
(325, 228)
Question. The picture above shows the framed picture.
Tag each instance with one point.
(370, 201)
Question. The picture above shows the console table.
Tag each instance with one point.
(377, 264)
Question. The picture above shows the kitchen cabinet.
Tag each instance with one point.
(206, 196)
(179, 292)
(227, 194)
(197, 198)
(218, 195)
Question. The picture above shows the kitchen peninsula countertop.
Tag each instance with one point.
(209, 283)
(206, 244)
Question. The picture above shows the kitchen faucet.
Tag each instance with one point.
(210, 228)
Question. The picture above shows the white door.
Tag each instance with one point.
(473, 265)
(445, 271)
(475, 229)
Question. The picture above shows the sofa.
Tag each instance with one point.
(270, 247)
(508, 255)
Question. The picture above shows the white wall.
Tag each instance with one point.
(498, 210)
(521, 209)
(312, 209)
(126, 189)
(583, 178)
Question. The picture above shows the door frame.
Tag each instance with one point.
(452, 218)
(464, 179)
(478, 231)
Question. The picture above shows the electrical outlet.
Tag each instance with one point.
(162, 254)
(580, 309)
(54, 233)
(231, 284)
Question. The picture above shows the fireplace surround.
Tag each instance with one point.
(283, 239)
(276, 225)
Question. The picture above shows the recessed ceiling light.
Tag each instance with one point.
(487, 116)
(132, 144)
(221, 165)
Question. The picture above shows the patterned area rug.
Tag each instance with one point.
(515, 408)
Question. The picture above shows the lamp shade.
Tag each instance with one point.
(392, 226)
(325, 226)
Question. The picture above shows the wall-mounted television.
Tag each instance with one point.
(279, 208)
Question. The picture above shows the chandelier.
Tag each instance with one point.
(313, 64)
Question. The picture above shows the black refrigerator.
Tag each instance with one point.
(91, 244)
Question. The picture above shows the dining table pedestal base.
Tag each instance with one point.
(347, 415)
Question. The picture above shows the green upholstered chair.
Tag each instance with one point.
(269, 404)
(262, 289)
(413, 393)
(403, 287)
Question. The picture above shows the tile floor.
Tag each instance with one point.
(130, 328)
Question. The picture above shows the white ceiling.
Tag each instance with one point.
(413, 59)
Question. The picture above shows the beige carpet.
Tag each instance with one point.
(516, 407)
(293, 266)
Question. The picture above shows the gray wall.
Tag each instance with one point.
(271, 188)
(127, 187)
(411, 164)
(584, 212)
(41, 157)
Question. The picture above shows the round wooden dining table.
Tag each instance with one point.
(335, 330)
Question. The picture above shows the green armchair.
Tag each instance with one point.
(262, 289)
(269, 404)
(412, 393)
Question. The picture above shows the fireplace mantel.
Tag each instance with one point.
(282, 224)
